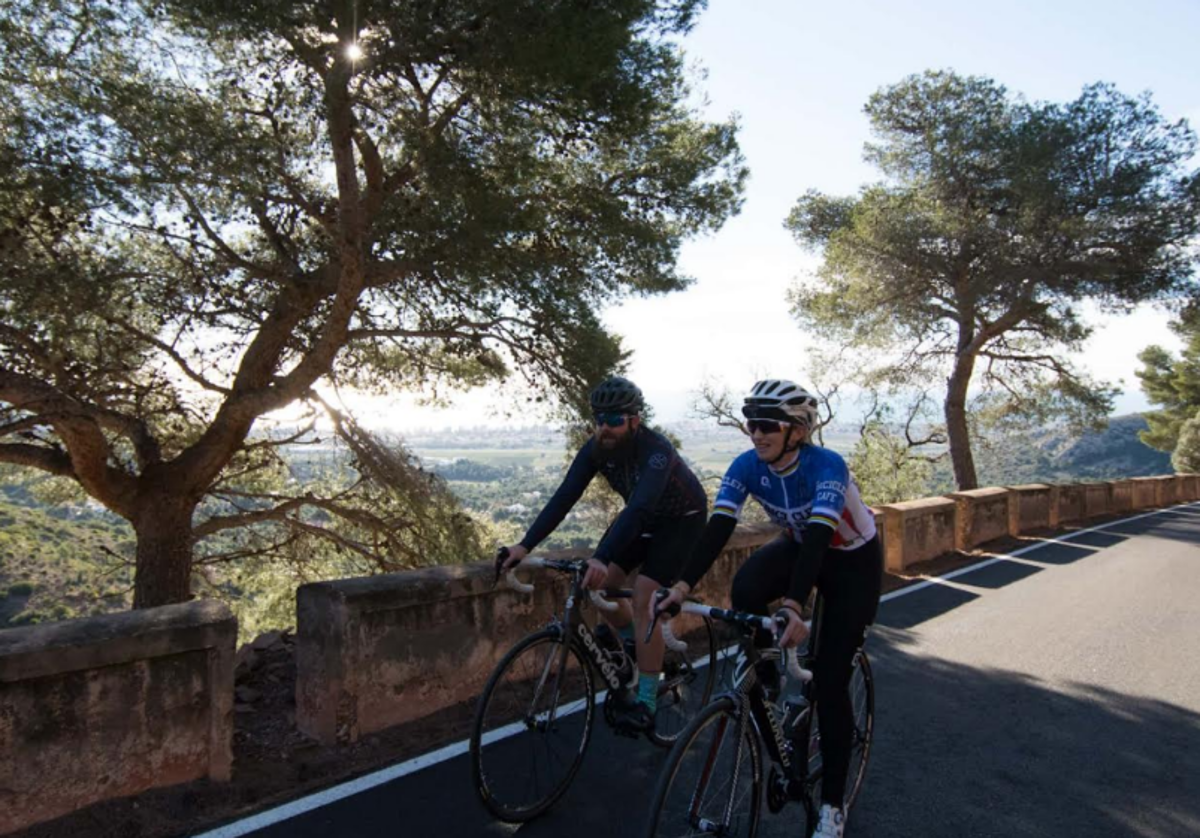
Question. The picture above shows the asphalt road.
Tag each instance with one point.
(1056, 693)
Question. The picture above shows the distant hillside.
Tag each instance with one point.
(1054, 455)
(60, 562)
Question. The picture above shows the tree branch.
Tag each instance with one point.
(171, 352)
(81, 421)
(219, 243)
(50, 460)
(219, 523)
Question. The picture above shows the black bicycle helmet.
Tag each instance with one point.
(617, 395)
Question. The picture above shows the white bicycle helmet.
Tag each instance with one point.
(782, 400)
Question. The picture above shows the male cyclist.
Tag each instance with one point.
(829, 540)
(663, 517)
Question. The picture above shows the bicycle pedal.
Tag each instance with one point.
(778, 792)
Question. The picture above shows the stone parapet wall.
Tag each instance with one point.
(1097, 499)
(1035, 508)
(1121, 496)
(1168, 490)
(1072, 498)
(378, 651)
(1189, 487)
(983, 514)
(918, 530)
(1145, 492)
(110, 706)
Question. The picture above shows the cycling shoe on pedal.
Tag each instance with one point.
(630, 716)
(832, 822)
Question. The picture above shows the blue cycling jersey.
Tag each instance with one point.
(816, 489)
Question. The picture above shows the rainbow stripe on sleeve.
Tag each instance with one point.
(827, 520)
(724, 507)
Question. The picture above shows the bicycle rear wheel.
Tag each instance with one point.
(711, 783)
(532, 726)
(862, 699)
(687, 679)
(862, 702)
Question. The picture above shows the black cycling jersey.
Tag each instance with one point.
(648, 473)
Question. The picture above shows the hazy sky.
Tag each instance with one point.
(798, 73)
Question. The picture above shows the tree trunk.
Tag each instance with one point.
(956, 422)
(164, 552)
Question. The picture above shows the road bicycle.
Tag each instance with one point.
(712, 782)
(535, 716)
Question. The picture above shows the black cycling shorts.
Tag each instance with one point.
(662, 552)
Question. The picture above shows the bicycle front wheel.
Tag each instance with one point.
(862, 700)
(532, 726)
(711, 783)
(687, 679)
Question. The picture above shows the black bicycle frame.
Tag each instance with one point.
(752, 698)
(583, 636)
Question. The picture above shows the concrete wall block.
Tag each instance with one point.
(893, 543)
(1144, 493)
(111, 706)
(881, 529)
(1071, 503)
(1168, 490)
(982, 515)
(1033, 506)
(1183, 488)
(1191, 487)
(1096, 499)
(918, 530)
(1121, 496)
(1014, 513)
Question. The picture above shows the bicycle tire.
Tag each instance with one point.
(702, 753)
(512, 698)
(862, 699)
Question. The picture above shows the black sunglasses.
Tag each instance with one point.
(765, 426)
(611, 420)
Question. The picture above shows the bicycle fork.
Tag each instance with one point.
(531, 717)
(707, 825)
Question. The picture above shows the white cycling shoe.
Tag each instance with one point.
(831, 822)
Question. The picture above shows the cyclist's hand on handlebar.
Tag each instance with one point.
(664, 604)
(666, 601)
(509, 557)
(597, 572)
(793, 632)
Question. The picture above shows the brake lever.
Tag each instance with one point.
(501, 556)
(673, 611)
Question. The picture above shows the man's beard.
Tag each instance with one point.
(616, 444)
